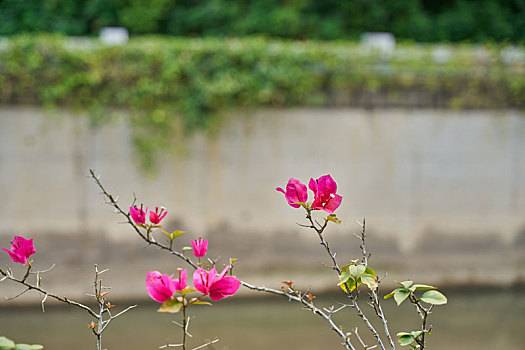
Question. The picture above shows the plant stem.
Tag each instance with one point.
(183, 326)
(373, 292)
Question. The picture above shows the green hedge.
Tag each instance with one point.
(419, 20)
(173, 86)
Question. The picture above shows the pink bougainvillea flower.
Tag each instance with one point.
(200, 247)
(216, 286)
(325, 197)
(138, 214)
(160, 287)
(21, 249)
(180, 284)
(295, 192)
(156, 216)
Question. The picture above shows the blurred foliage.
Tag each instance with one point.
(174, 86)
(418, 20)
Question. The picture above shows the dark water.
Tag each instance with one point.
(473, 319)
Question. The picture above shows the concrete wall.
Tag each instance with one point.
(421, 177)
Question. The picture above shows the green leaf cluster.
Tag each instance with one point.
(171, 87)
(353, 276)
(408, 338)
(172, 235)
(407, 288)
(6, 343)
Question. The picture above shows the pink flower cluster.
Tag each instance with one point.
(200, 247)
(216, 286)
(163, 287)
(21, 249)
(324, 189)
(139, 215)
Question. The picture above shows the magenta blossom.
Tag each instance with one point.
(21, 249)
(325, 198)
(180, 284)
(138, 214)
(216, 286)
(160, 287)
(295, 192)
(200, 247)
(156, 216)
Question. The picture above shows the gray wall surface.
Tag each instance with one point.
(442, 182)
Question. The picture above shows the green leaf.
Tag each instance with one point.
(391, 294)
(187, 248)
(434, 297)
(200, 302)
(349, 286)
(405, 284)
(187, 291)
(369, 280)
(177, 233)
(400, 295)
(6, 343)
(173, 234)
(357, 270)
(422, 286)
(416, 334)
(370, 271)
(345, 276)
(333, 218)
(345, 268)
(28, 347)
(171, 306)
(405, 339)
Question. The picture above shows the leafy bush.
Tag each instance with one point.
(173, 86)
(421, 20)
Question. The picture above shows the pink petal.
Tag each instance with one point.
(224, 287)
(199, 281)
(24, 245)
(159, 287)
(327, 185)
(333, 204)
(154, 218)
(317, 203)
(181, 283)
(296, 192)
(16, 258)
(223, 273)
(312, 185)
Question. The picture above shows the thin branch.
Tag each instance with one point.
(40, 290)
(373, 292)
(367, 322)
(42, 271)
(309, 305)
(43, 301)
(319, 229)
(19, 294)
(208, 343)
(113, 202)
